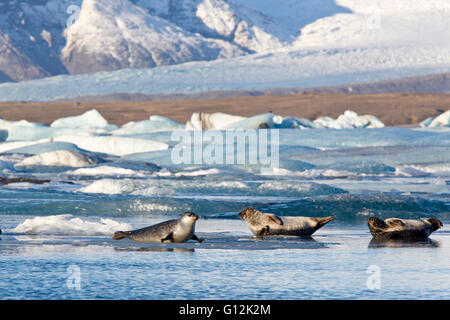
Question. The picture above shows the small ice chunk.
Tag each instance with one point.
(426, 123)
(58, 158)
(441, 121)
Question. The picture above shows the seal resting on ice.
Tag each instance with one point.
(395, 228)
(268, 224)
(178, 231)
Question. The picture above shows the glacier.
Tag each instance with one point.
(330, 43)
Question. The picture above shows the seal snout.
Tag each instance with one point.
(245, 213)
(191, 215)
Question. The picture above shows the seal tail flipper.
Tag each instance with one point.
(323, 221)
(121, 235)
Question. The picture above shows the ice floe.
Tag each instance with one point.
(65, 224)
(113, 145)
(59, 158)
(91, 119)
(153, 124)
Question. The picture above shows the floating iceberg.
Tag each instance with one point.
(105, 171)
(154, 124)
(59, 158)
(117, 146)
(442, 120)
(91, 119)
(38, 148)
(223, 121)
(348, 120)
(255, 122)
(66, 225)
(279, 122)
(213, 121)
(12, 146)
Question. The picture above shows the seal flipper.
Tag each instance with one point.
(169, 238)
(395, 222)
(194, 237)
(273, 218)
(264, 231)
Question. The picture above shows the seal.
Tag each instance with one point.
(268, 224)
(396, 229)
(178, 231)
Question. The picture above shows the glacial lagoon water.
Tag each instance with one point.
(56, 241)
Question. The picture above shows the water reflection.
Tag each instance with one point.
(407, 243)
(284, 238)
(153, 249)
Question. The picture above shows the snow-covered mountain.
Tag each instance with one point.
(40, 38)
(111, 35)
(186, 46)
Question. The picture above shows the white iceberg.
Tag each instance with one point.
(154, 124)
(255, 122)
(59, 158)
(105, 171)
(213, 121)
(224, 121)
(425, 123)
(348, 120)
(113, 145)
(279, 122)
(27, 133)
(66, 225)
(91, 119)
(6, 124)
(442, 120)
(10, 146)
(42, 147)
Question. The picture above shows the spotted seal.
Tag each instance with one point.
(179, 230)
(395, 228)
(268, 224)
